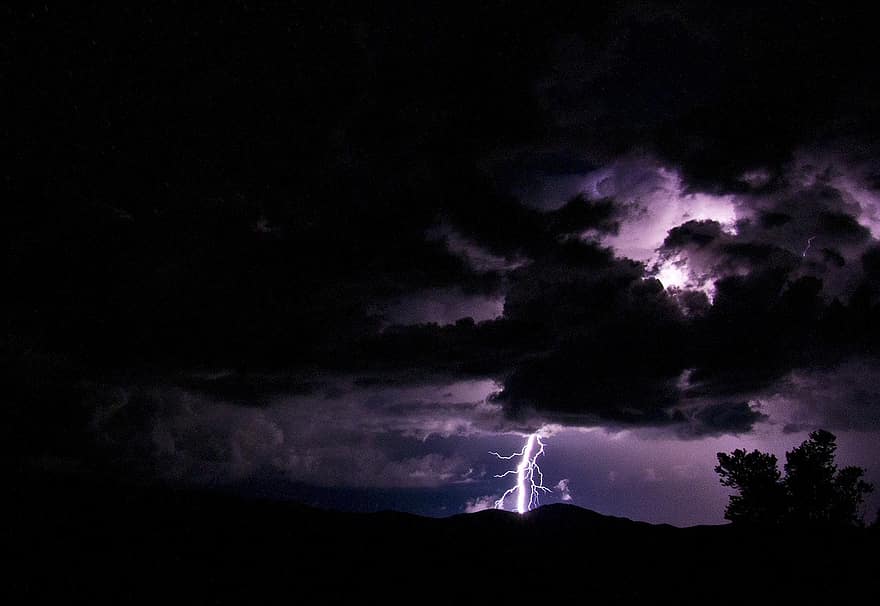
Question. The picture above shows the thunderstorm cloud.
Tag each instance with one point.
(345, 245)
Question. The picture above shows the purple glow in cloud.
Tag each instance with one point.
(656, 200)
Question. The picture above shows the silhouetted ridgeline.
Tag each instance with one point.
(75, 540)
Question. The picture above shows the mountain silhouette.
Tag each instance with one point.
(76, 539)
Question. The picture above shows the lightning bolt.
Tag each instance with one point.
(529, 478)
(809, 244)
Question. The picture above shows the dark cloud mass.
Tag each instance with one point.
(632, 217)
(724, 417)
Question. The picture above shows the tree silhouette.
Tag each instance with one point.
(761, 498)
(813, 491)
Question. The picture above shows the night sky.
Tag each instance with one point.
(338, 254)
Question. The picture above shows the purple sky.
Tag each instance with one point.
(339, 256)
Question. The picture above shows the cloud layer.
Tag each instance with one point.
(635, 217)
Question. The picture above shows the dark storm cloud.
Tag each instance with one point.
(617, 348)
(267, 184)
(273, 185)
(345, 433)
(693, 233)
(248, 389)
(264, 189)
(841, 395)
(265, 195)
(584, 336)
(725, 417)
(718, 91)
(791, 295)
(600, 321)
(712, 254)
(813, 228)
(506, 227)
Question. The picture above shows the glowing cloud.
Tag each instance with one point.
(672, 275)
(657, 200)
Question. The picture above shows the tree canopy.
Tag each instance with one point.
(812, 492)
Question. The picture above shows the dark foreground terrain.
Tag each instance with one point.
(73, 540)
